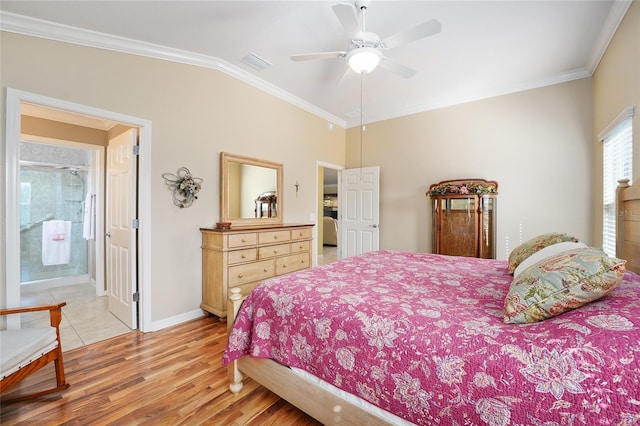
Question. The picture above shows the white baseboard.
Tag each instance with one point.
(178, 319)
(48, 284)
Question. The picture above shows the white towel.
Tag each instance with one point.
(89, 224)
(56, 242)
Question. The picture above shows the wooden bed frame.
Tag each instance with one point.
(628, 224)
(331, 409)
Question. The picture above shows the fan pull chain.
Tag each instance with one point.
(361, 120)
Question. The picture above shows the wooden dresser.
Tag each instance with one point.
(244, 256)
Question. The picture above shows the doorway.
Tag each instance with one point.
(16, 100)
(328, 214)
(61, 183)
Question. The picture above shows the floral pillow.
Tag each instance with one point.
(549, 251)
(561, 283)
(527, 248)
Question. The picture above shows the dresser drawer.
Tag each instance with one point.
(240, 256)
(257, 271)
(301, 234)
(300, 246)
(272, 251)
(292, 263)
(243, 240)
(274, 237)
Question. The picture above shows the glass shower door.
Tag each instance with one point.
(53, 187)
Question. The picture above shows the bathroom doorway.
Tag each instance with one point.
(61, 186)
(19, 104)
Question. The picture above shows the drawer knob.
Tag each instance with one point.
(244, 241)
(265, 269)
(275, 251)
(302, 261)
(239, 275)
(275, 237)
(284, 265)
(243, 256)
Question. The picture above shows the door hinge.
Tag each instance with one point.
(136, 296)
(135, 224)
(136, 150)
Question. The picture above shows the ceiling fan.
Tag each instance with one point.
(366, 50)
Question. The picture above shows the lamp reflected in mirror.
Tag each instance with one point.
(250, 190)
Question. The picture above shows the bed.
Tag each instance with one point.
(421, 338)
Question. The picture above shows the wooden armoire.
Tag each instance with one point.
(464, 217)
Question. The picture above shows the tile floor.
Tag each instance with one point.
(85, 319)
(329, 254)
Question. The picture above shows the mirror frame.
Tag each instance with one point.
(225, 159)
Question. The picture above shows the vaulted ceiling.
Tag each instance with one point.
(485, 48)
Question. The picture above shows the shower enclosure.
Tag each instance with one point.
(54, 181)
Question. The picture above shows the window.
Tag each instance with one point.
(617, 154)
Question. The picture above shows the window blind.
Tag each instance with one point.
(617, 164)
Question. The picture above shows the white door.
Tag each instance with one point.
(359, 211)
(121, 236)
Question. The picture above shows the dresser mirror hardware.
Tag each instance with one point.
(250, 191)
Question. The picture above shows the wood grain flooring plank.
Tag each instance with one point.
(168, 377)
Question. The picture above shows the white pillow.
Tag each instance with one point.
(546, 252)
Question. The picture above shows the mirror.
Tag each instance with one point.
(250, 190)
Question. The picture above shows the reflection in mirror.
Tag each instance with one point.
(250, 190)
(248, 187)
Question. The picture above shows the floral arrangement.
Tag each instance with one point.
(464, 187)
(184, 186)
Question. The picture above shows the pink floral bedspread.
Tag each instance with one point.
(422, 336)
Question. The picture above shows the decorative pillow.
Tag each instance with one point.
(549, 251)
(527, 248)
(561, 283)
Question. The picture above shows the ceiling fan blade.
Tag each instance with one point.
(312, 56)
(346, 75)
(395, 67)
(423, 30)
(346, 13)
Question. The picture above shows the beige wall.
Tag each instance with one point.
(56, 130)
(195, 113)
(616, 86)
(536, 144)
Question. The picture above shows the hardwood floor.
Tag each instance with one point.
(169, 377)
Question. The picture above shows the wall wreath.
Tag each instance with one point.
(184, 186)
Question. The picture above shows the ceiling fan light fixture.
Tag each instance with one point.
(365, 59)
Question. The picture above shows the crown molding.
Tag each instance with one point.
(20, 24)
(478, 95)
(617, 13)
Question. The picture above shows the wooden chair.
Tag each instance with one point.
(25, 351)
